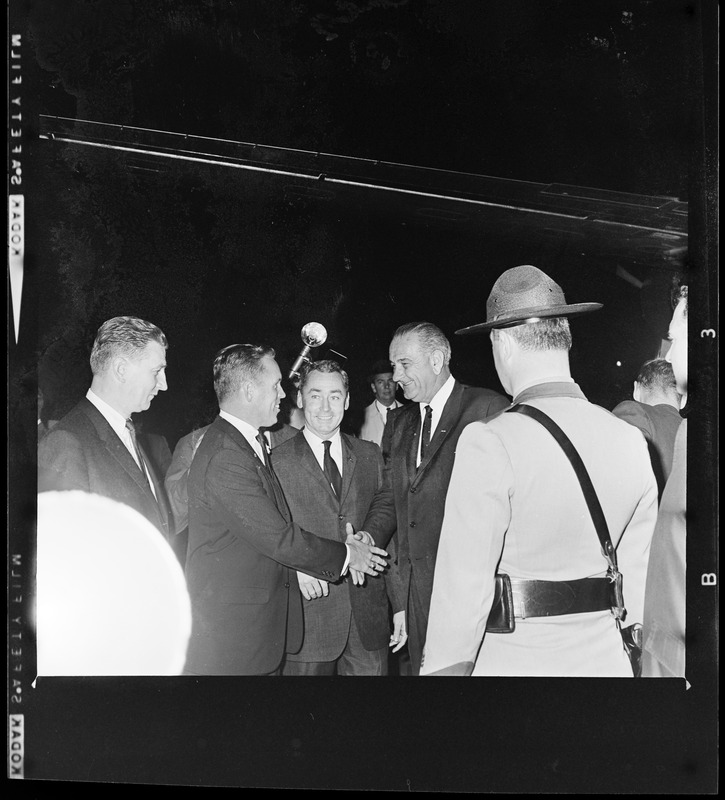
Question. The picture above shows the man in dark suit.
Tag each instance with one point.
(94, 447)
(655, 410)
(419, 446)
(243, 545)
(177, 476)
(346, 627)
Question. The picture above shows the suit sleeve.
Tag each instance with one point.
(62, 463)
(380, 520)
(235, 488)
(477, 516)
(395, 586)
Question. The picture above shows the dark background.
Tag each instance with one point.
(595, 94)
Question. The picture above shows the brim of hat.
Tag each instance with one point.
(532, 315)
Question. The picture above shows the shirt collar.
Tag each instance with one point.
(440, 398)
(557, 387)
(316, 443)
(249, 432)
(383, 410)
(116, 420)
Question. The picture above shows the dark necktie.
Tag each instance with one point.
(131, 428)
(331, 470)
(425, 433)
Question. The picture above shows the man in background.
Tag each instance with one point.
(655, 410)
(331, 479)
(419, 444)
(376, 414)
(663, 648)
(94, 447)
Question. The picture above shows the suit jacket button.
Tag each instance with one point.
(286, 586)
(413, 490)
(341, 516)
(412, 524)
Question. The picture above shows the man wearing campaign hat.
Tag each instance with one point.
(515, 506)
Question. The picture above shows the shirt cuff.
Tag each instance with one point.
(343, 571)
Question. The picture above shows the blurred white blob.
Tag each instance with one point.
(111, 596)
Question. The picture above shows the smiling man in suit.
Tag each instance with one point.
(418, 446)
(331, 479)
(243, 545)
(94, 447)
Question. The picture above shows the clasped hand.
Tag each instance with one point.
(312, 588)
(365, 558)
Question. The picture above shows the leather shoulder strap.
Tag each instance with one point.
(590, 495)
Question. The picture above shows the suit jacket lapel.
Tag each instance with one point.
(451, 413)
(268, 477)
(410, 435)
(312, 466)
(348, 468)
(117, 448)
(160, 489)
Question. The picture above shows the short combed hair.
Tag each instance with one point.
(546, 334)
(328, 366)
(124, 336)
(238, 363)
(657, 374)
(430, 336)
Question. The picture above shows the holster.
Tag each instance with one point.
(501, 617)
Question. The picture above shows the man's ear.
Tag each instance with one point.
(506, 344)
(347, 402)
(248, 390)
(437, 361)
(637, 392)
(299, 399)
(119, 368)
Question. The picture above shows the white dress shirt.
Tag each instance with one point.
(249, 432)
(383, 410)
(118, 423)
(318, 448)
(437, 404)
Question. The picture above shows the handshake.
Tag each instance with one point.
(364, 556)
(364, 559)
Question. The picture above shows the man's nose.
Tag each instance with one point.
(161, 382)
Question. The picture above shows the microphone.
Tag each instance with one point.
(313, 335)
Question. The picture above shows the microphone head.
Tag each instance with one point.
(314, 334)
